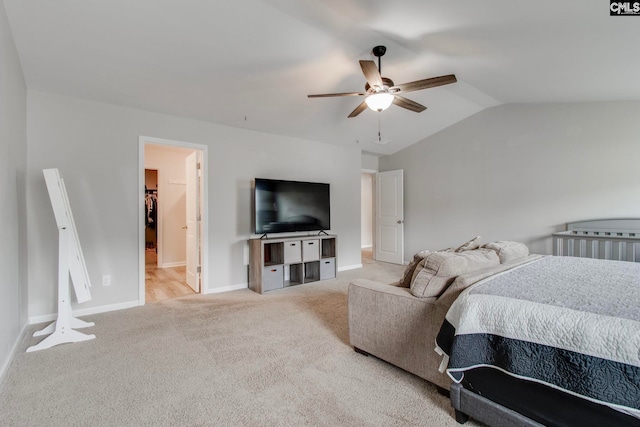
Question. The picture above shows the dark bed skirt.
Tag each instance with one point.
(538, 403)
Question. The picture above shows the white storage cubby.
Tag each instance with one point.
(292, 252)
(327, 268)
(281, 262)
(272, 277)
(311, 250)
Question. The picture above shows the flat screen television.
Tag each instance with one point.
(289, 206)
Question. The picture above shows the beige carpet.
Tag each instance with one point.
(231, 359)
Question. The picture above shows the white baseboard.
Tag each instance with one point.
(85, 311)
(366, 247)
(226, 288)
(173, 264)
(349, 267)
(12, 353)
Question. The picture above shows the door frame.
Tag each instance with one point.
(204, 242)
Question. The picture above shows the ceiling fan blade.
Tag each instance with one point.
(326, 95)
(408, 104)
(427, 83)
(359, 109)
(371, 73)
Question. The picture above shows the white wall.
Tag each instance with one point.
(13, 163)
(95, 146)
(366, 210)
(369, 162)
(520, 172)
(172, 200)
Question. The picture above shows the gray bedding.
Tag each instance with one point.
(569, 323)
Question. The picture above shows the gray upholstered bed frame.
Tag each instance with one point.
(469, 404)
(614, 239)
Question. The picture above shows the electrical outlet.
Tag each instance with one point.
(106, 280)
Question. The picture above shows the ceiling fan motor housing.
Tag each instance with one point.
(388, 83)
(378, 51)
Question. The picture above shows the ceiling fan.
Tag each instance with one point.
(381, 92)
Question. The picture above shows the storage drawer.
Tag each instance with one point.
(272, 277)
(311, 250)
(292, 252)
(327, 268)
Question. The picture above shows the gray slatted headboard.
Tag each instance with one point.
(615, 239)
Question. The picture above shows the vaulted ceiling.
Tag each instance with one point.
(251, 63)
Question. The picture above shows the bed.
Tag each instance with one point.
(554, 342)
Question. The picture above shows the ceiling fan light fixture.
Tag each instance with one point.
(380, 92)
(379, 101)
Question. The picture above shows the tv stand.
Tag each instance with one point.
(276, 263)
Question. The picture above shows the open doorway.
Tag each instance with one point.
(366, 211)
(173, 242)
(151, 222)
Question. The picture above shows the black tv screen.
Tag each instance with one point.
(288, 206)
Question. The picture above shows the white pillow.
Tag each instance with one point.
(470, 245)
(438, 270)
(507, 250)
(405, 280)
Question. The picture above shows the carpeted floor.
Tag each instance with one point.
(231, 359)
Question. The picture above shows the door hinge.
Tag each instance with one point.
(199, 217)
(198, 165)
(199, 269)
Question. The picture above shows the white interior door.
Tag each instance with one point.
(193, 220)
(389, 217)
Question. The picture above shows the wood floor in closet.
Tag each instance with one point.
(164, 283)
